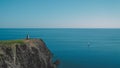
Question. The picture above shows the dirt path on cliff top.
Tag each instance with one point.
(32, 42)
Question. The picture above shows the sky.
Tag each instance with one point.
(59, 13)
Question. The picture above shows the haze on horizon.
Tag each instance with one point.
(59, 13)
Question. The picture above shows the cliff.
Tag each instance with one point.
(31, 53)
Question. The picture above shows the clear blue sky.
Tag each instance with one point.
(59, 13)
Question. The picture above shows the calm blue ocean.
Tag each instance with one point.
(76, 48)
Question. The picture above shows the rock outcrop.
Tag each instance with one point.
(31, 53)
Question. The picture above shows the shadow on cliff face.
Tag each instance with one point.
(57, 62)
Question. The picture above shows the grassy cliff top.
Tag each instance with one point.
(11, 41)
(19, 41)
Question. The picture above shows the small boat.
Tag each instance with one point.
(88, 44)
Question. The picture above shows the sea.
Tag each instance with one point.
(75, 47)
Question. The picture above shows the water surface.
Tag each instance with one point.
(71, 45)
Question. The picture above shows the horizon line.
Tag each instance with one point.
(52, 28)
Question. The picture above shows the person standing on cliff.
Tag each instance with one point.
(27, 37)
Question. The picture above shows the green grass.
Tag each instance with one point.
(10, 42)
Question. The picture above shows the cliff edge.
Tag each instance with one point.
(31, 53)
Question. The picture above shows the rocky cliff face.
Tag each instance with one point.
(31, 53)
